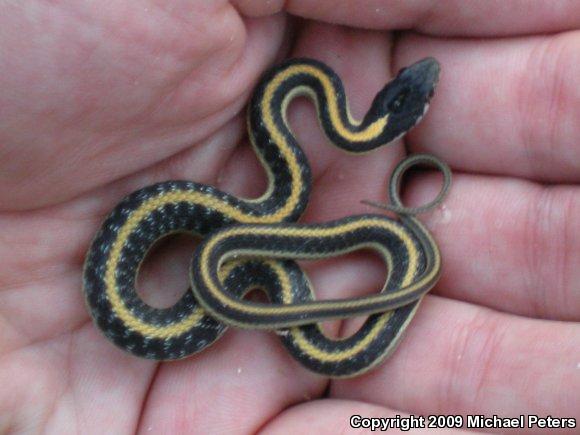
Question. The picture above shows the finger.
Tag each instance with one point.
(345, 417)
(451, 17)
(506, 107)
(462, 359)
(248, 373)
(508, 244)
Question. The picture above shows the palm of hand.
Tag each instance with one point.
(109, 101)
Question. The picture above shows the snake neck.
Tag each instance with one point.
(285, 162)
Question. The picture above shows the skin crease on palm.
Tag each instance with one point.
(100, 98)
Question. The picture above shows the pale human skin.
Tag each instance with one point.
(100, 98)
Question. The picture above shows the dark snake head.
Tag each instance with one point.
(405, 99)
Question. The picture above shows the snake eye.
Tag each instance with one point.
(398, 102)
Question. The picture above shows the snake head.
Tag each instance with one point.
(404, 100)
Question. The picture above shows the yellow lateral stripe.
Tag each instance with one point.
(369, 133)
(323, 355)
(299, 232)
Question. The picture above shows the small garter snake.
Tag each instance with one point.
(153, 212)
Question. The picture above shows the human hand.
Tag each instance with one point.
(100, 100)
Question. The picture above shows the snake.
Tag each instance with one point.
(250, 243)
